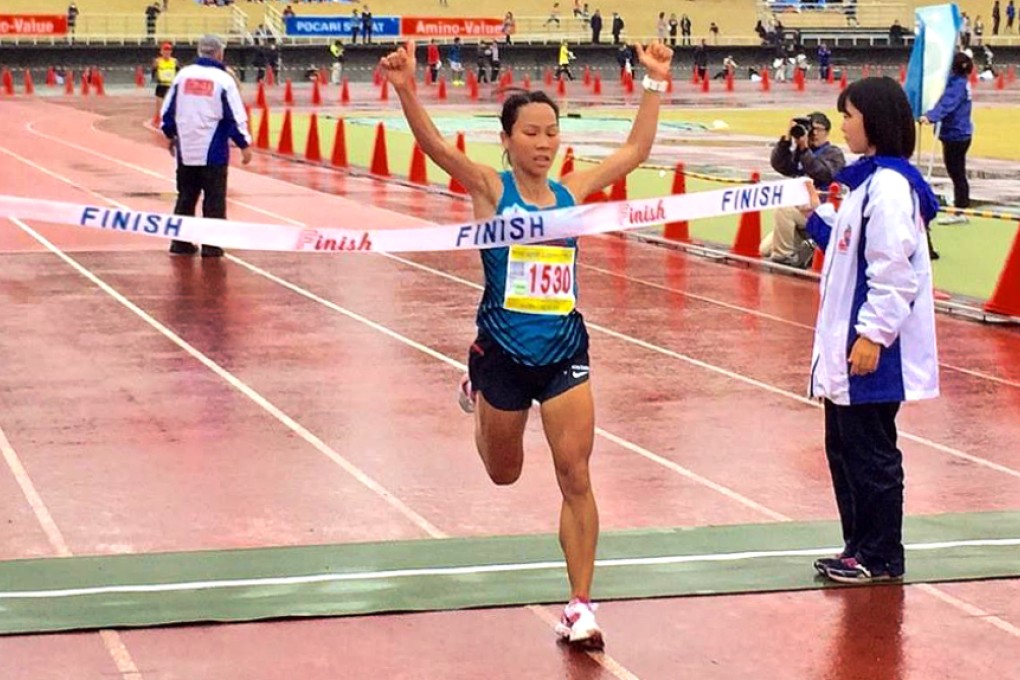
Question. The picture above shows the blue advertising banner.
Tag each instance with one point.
(340, 27)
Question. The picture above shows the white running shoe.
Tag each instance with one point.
(465, 396)
(953, 219)
(578, 625)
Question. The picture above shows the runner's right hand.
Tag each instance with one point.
(398, 66)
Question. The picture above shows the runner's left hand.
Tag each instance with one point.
(657, 59)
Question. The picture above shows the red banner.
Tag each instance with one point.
(33, 24)
(443, 27)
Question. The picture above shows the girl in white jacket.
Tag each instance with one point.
(874, 344)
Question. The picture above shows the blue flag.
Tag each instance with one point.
(938, 28)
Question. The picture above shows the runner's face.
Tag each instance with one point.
(534, 139)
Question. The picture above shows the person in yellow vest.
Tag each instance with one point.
(164, 68)
(337, 72)
(566, 56)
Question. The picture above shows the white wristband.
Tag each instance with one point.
(650, 85)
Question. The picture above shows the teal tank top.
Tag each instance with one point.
(531, 339)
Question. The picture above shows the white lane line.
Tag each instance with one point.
(243, 388)
(478, 569)
(770, 317)
(277, 216)
(111, 639)
(970, 609)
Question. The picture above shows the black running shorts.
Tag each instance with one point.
(161, 90)
(510, 386)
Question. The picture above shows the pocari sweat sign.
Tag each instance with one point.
(340, 27)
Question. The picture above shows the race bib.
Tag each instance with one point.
(540, 280)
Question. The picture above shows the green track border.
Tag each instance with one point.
(669, 562)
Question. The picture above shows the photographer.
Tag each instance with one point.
(804, 151)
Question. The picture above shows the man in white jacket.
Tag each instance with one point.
(201, 114)
(874, 342)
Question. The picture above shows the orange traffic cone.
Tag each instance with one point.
(100, 83)
(704, 84)
(442, 87)
(748, 240)
(262, 138)
(455, 186)
(51, 77)
(418, 173)
(313, 150)
(380, 159)
(139, 77)
(286, 145)
(568, 162)
(561, 87)
(548, 77)
(339, 157)
(619, 190)
(597, 87)
(316, 93)
(729, 81)
(85, 83)
(29, 84)
(384, 93)
(270, 77)
(68, 82)
(1006, 297)
(766, 83)
(587, 76)
(678, 231)
(260, 96)
(843, 80)
(288, 93)
(903, 74)
(345, 93)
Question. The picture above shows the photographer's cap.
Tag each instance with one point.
(819, 118)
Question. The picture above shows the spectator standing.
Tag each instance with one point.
(673, 25)
(964, 30)
(288, 12)
(713, 29)
(355, 26)
(625, 59)
(701, 60)
(661, 27)
(896, 33)
(979, 31)
(617, 28)
(685, 30)
(482, 61)
(824, 61)
(509, 26)
(596, 27)
(996, 17)
(366, 25)
(259, 61)
(203, 112)
(953, 111)
(432, 59)
(72, 17)
(494, 62)
(1010, 16)
(151, 13)
(456, 63)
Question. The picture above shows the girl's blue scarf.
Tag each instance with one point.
(857, 173)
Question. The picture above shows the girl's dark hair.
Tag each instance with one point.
(519, 98)
(962, 64)
(888, 120)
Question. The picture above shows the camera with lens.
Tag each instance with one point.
(801, 127)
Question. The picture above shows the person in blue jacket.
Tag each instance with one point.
(874, 345)
(953, 111)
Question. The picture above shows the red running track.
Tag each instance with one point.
(135, 445)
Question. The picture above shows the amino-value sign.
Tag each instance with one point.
(340, 27)
(33, 24)
(442, 27)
